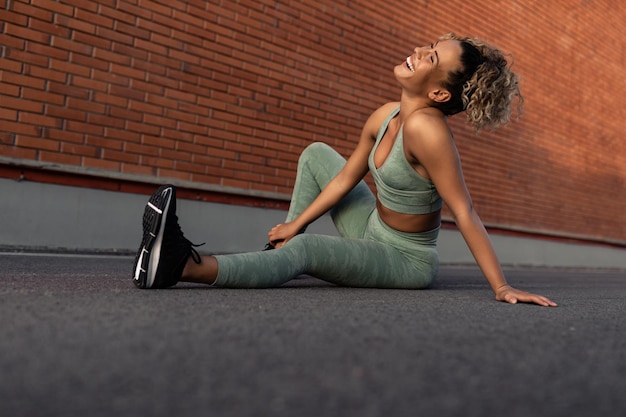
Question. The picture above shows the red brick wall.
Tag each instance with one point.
(229, 92)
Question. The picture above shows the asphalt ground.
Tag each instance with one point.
(78, 339)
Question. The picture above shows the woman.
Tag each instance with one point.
(387, 240)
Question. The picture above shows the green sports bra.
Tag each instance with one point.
(400, 188)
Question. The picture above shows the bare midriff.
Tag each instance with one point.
(409, 223)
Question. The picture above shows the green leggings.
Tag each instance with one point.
(368, 254)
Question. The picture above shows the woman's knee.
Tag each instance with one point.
(316, 150)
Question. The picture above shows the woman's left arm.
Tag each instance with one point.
(430, 142)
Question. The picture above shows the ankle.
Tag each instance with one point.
(204, 272)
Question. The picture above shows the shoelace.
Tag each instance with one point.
(178, 233)
(194, 253)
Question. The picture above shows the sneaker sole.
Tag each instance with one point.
(149, 253)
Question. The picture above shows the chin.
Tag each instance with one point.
(398, 72)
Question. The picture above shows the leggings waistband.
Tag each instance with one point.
(379, 230)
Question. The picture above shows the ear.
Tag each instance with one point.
(439, 95)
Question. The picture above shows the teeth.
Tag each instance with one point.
(409, 64)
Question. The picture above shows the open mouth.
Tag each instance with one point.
(409, 64)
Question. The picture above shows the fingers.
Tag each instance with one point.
(515, 296)
(540, 300)
(510, 299)
(546, 302)
(272, 231)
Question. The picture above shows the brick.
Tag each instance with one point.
(17, 153)
(192, 127)
(37, 143)
(88, 104)
(158, 121)
(39, 120)
(193, 39)
(135, 169)
(124, 114)
(64, 136)
(150, 46)
(26, 57)
(11, 66)
(124, 92)
(109, 77)
(168, 21)
(108, 56)
(158, 141)
(85, 128)
(100, 164)
(85, 5)
(78, 25)
(25, 33)
(105, 120)
(103, 142)
(89, 39)
(166, 41)
(26, 105)
(120, 156)
(115, 138)
(66, 90)
(144, 107)
(116, 14)
(8, 16)
(11, 90)
(8, 114)
(45, 74)
(47, 51)
(153, 27)
(192, 148)
(68, 45)
(48, 27)
(167, 173)
(88, 83)
(160, 100)
(92, 16)
(88, 62)
(63, 158)
(127, 71)
(141, 149)
(53, 6)
(189, 117)
(122, 33)
(142, 128)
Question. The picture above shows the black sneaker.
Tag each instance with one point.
(164, 249)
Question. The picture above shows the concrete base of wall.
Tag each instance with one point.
(37, 216)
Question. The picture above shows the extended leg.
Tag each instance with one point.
(342, 261)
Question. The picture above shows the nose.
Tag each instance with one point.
(420, 51)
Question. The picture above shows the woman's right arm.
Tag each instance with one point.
(355, 169)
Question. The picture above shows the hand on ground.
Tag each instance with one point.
(511, 295)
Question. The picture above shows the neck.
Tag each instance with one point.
(410, 104)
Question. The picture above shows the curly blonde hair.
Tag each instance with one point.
(485, 87)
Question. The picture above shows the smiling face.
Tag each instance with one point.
(428, 67)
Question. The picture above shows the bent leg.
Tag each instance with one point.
(341, 261)
(317, 166)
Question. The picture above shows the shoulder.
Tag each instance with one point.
(427, 133)
(426, 126)
(426, 122)
(376, 119)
